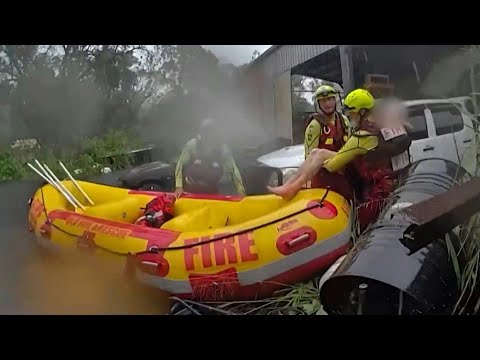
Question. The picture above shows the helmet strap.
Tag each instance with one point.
(363, 117)
(363, 113)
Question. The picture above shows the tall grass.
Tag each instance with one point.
(466, 237)
(297, 299)
(466, 262)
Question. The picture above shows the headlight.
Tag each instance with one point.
(287, 173)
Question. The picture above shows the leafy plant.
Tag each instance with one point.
(110, 150)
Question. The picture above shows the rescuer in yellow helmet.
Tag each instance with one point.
(377, 154)
(326, 131)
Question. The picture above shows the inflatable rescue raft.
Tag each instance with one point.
(215, 247)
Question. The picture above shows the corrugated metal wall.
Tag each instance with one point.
(285, 57)
(272, 65)
(283, 105)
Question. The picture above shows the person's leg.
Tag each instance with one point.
(306, 172)
(315, 155)
(312, 168)
(301, 169)
(285, 188)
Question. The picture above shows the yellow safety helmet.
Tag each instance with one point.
(358, 100)
(324, 91)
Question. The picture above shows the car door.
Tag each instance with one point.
(454, 137)
(421, 132)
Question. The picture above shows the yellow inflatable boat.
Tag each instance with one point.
(215, 248)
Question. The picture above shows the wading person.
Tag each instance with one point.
(204, 162)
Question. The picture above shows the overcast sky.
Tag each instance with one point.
(236, 54)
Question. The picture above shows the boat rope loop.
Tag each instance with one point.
(308, 208)
(156, 249)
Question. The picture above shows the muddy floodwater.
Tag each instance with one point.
(32, 283)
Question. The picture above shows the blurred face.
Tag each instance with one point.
(392, 114)
(327, 105)
(209, 139)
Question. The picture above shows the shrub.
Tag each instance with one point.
(93, 154)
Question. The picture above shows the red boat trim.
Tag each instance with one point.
(284, 245)
(155, 237)
(153, 263)
(46, 230)
(224, 283)
(326, 212)
(295, 275)
(191, 196)
(314, 259)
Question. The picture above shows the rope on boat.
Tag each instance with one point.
(181, 247)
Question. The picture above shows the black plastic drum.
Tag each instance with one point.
(396, 282)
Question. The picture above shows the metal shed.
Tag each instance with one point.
(280, 58)
(271, 73)
(408, 69)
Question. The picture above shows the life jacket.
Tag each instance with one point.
(390, 157)
(332, 137)
(158, 211)
(202, 174)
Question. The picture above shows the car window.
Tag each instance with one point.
(469, 106)
(416, 118)
(447, 118)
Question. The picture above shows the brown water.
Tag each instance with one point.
(34, 284)
(83, 285)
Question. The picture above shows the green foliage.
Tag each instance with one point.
(95, 153)
(10, 168)
(60, 93)
(298, 299)
(70, 97)
(112, 149)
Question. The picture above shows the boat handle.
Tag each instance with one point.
(298, 239)
(149, 263)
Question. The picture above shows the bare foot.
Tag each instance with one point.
(286, 192)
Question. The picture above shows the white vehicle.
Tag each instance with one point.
(442, 128)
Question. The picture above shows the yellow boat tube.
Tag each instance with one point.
(215, 248)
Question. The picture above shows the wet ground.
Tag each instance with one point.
(32, 283)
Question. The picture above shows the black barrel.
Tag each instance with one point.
(396, 282)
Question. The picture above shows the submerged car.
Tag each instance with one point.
(160, 175)
(156, 175)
